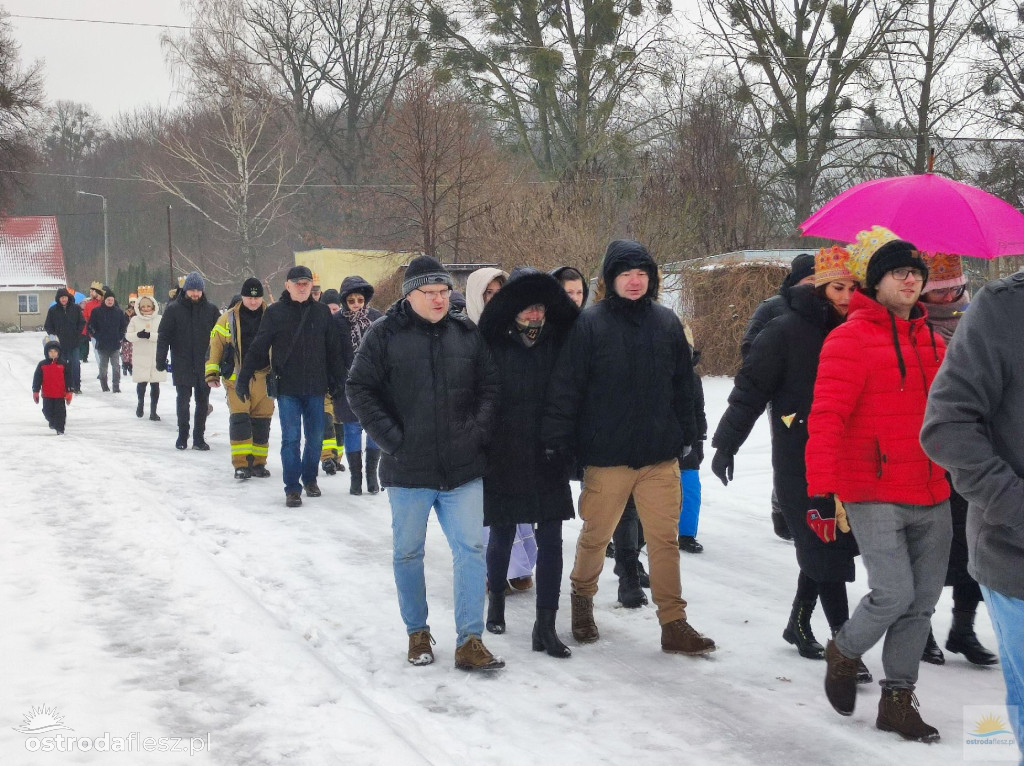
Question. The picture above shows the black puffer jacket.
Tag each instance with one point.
(427, 394)
(622, 392)
(766, 311)
(356, 284)
(520, 487)
(185, 330)
(107, 325)
(66, 322)
(308, 364)
(780, 369)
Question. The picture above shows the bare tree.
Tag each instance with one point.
(442, 168)
(1001, 30)
(229, 156)
(337, 63)
(72, 132)
(21, 96)
(929, 80)
(800, 65)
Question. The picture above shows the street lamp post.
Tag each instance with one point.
(106, 240)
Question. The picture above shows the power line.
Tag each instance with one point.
(101, 21)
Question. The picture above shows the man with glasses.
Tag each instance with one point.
(425, 388)
(864, 451)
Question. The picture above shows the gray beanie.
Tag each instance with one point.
(194, 281)
(424, 270)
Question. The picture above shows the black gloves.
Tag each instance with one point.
(722, 465)
(242, 390)
(161, 365)
(143, 334)
(691, 461)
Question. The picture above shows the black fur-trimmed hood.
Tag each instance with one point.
(525, 287)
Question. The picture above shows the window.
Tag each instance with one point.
(28, 304)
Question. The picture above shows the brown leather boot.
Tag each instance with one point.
(473, 655)
(897, 711)
(680, 637)
(840, 680)
(584, 629)
(420, 652)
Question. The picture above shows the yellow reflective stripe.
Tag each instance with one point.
(330, 444)
(243, 448)
(212, 367)
(221, 329)
(260, 450)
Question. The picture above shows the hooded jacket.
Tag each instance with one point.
(185, 331)
(520, 486)
(622, 391)
(52, 377)
(107, 325)
(873, 380)
(476, 285)
(557, 274)
(307, 360)
(352, 284)
(144, 349)
(66, 322)
(973, 427)
(427, 393)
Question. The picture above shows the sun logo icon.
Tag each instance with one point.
(42, 720)
(990, 726)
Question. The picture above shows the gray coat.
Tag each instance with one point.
(973, 428)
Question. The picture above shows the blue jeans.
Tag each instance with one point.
(461, 515)
(1007, 614)
(354, 438)
(689, 514)
(300, 415)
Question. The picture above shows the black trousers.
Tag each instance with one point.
(56, 413)
(628, 538)
(202, 396)
(548, 535)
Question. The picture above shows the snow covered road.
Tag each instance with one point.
(146, 591)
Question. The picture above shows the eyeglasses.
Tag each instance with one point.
(949, 292)
(908, 271)
(432, 294)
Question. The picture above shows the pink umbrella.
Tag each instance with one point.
(933, 212)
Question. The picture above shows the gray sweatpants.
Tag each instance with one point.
(905, 549)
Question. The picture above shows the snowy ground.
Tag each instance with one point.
(144, 591)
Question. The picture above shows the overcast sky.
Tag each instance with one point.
(110, 67)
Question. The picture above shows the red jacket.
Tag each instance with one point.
(87, 307)
(52, 378)
(869, 399)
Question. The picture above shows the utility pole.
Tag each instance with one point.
(106, 236)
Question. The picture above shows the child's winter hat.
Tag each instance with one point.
(50, 341)
(830, 264)
(944, 270)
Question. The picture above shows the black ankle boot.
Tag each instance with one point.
(932, 654)
(154, 397)
(962, 640)
(142, 406)
(631, 594)
(355, 468)
(496, 612)
(798, 631)
(372, 460)
(544, 637)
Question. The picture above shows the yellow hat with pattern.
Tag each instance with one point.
(867, 244)
(830, 264)
(944, 270)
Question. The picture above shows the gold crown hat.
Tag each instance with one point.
(830, 264)
(944, 270)
(867, 244)
(146, 290)
(97, 286)
(316, 279)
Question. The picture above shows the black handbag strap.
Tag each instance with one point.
(295, 338)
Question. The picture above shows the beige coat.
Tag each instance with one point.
(144, 349)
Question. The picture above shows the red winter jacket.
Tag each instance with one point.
(869, 399)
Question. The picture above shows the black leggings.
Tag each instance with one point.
(834, 602)
(549, 559)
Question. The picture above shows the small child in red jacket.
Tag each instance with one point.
(53, 379)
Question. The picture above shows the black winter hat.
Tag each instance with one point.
(330, 296)
(893, 255)
(625, 254)
(424, 270)
(457, 302)
(108, 293)
(252, 288)
(801, 268)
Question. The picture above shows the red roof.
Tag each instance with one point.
(30, 252)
